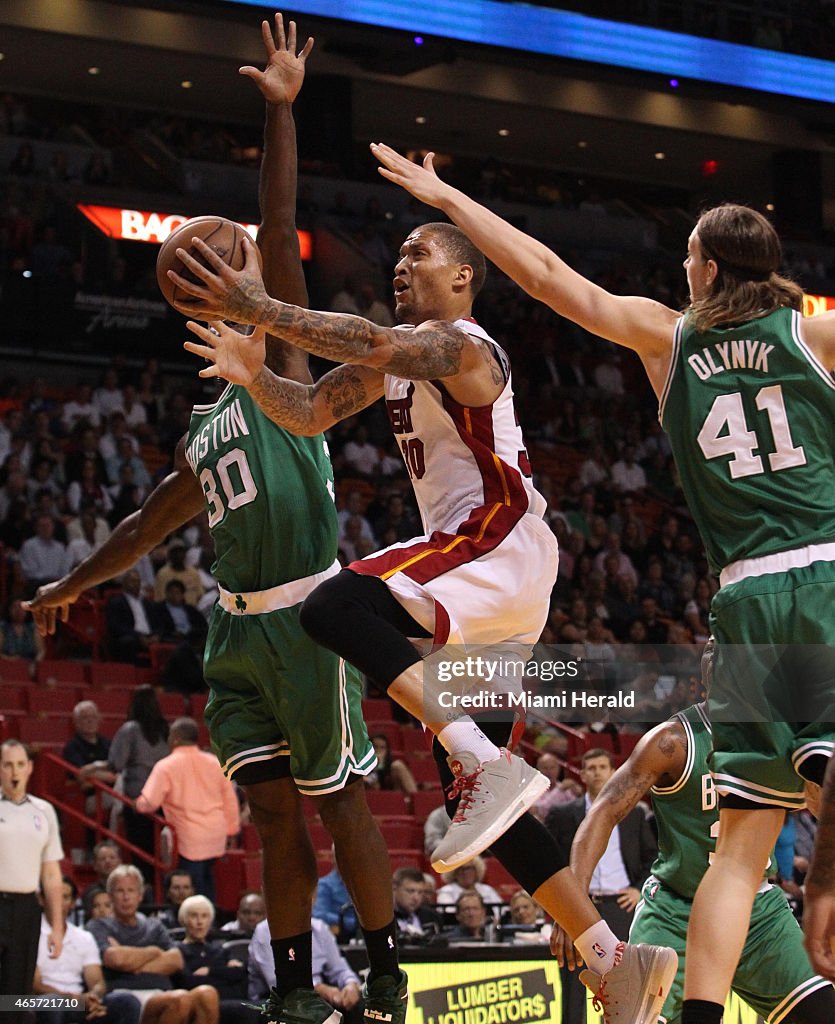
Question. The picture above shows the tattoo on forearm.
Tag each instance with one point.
(623, 792)
(285, 402)
(433, 351)
(343, 391)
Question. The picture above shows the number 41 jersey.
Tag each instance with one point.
(751, 417)
(269, 494)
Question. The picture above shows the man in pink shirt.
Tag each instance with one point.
(198, 800)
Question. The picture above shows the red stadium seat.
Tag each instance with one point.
(383, 801)
(111, 702)
(250, 838)
(112, 674)
(425, 773)
(61, 673)
(424, 803)
(497, 875)
(377, 710)
(12, 698)
(415, 741)
(39, 731)
(391, 732)
(15, 670)
(51, 702)
(198, 705)
(173, 705)
(628, 742)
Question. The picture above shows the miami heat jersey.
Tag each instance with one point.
(461, 458)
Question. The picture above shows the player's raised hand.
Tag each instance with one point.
(225, 294)
(422, 181)
(236, 357)
(282, 78)
(50, 604)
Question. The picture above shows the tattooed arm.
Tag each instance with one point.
(660, 756)
(819, 902)
(305, 409)
(435, 349)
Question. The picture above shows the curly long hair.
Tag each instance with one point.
(747, 252)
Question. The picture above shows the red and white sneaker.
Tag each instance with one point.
(493, 794)
(634, 990)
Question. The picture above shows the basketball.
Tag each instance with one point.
(224, 236)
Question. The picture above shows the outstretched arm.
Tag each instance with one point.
(173, 502)
(300, 408)
(660, 755)
(633, 321)
(280, 82)
(435, 349)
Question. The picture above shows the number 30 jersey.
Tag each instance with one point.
(461, 458)
(750, 413)
(269, 494)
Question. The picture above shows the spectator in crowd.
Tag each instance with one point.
(131, 621)
(101, 905)
(117, 430)
(42, 557)
(139, 956)
(108, 397)
(397, 517)
(562, 789)
(77, 972)
(175, 568)
(434, 829)
(178, 620)
(414, 920)
(80, 547)
(18, 636)
(526, 915)
(136, 415)
(345, 300)
(125, 455)
(136, 748)
(198, 801)
(106, 857)
(627, 474)
(89, 490)
(80, 408)
(471, 918)
(360, 454)
(333, 978)
(251, 911)
(84, 447)
(177, 886)
(206, 962)
(89, 751)
(30, 852)
(333, 906)
(373, 309)
(467, 878)
(390, 773)
(355, 509)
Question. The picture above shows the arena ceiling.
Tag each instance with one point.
(474, 100)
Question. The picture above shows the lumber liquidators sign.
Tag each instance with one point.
(505, 992)
(492, 992)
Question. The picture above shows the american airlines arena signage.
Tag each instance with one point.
(154, 226)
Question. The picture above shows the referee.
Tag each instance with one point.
(30, 852)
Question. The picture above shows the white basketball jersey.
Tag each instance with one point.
(461, 458)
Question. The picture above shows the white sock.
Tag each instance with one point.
(464, 734)
(597, 946)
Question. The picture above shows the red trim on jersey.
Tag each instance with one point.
(442, 625)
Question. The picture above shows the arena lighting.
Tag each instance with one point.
(814, 304)
(148, 226)
(521, 26)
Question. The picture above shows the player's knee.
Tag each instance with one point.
(275, 805)
(343, 810)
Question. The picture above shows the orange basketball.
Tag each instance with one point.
(224, 236)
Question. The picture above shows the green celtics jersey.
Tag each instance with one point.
(687, 813)
(269, 494)
(750, 414)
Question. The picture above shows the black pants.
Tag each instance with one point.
(20, 929)
(573, 990)
(139, 830)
